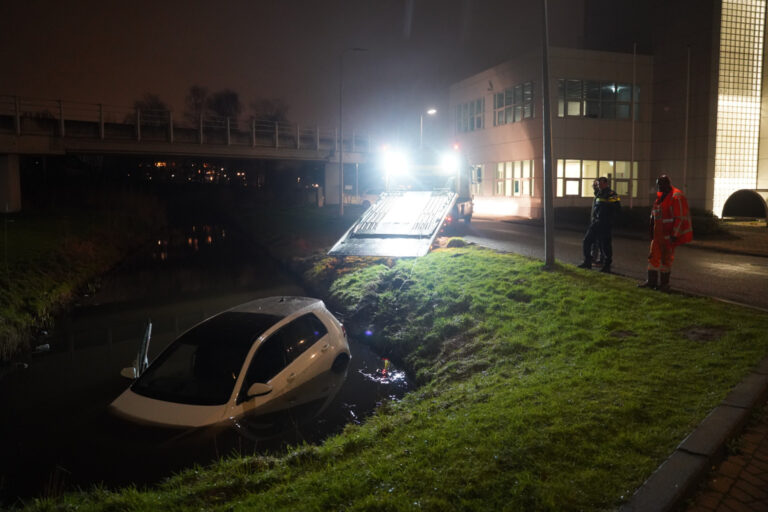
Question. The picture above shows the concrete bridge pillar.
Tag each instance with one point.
(331, 184)
(10, 184)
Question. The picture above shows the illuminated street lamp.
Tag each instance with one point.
(430, 112)
(341, 132)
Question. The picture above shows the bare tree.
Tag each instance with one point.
(273, 110)
(195, 104)
(225, 103)
(154, 111)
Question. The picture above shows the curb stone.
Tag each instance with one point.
(678, 477)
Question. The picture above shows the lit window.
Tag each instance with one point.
(514, 178)
(595, 99)
(575, 177)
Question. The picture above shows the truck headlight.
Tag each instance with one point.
(449, 163)
(395, 163)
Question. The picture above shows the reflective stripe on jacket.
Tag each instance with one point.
(605, 207)
(674, 216)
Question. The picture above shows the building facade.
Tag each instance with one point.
(694, 109)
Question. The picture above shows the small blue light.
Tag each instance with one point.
(369, 333)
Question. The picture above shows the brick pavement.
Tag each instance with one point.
(740, 482)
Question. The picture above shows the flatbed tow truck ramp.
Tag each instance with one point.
(399, 224)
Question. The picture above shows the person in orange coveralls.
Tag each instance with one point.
(670, 226)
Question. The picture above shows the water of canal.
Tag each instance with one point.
(56, 432)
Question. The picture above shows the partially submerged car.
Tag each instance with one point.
(262, 357)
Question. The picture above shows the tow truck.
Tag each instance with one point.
(425, 191)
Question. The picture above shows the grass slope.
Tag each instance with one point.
(538, 390)
(47, 254)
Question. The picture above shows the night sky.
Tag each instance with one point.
(114, 52)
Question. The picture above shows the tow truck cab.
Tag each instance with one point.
(430, 169)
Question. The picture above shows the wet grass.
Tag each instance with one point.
(538, 390)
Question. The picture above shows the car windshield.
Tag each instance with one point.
(202, 365)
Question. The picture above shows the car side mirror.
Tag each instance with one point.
(129, 373)
(258, 389)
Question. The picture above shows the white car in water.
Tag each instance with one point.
(265, 356)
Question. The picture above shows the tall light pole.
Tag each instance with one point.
(430, 112)
(341, 132)
(548, 196)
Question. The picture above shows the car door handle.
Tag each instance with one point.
(291, 377)
(325, 348)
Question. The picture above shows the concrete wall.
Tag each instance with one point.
(762, 157)
(680, 26)
(10, 184)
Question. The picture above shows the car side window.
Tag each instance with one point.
(268, 361)
(300, 334)
(281, 348)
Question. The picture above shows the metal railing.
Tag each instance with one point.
(57, 118)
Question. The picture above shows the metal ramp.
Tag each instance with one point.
(399, 224)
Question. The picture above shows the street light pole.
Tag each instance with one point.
(431, 112)
(548, 196)
(341, 132)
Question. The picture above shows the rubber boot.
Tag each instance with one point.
(653, 277)
(664, 286)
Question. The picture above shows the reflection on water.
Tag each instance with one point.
(57, 432)
(195, 238)
(387, 374)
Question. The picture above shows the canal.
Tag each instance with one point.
(56, 432)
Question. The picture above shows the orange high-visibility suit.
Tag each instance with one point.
(671, 227)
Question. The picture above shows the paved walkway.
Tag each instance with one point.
(747, 239)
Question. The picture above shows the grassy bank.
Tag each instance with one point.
(538, 390)
(49, 253)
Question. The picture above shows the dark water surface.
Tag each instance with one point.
(56, 433)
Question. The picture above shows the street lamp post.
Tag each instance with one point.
(341, 132)
(548, 196)
(431, 112)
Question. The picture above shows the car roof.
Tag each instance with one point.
(279, 306)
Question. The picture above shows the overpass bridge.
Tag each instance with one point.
(55, 127)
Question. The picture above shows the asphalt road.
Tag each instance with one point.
(732, 277)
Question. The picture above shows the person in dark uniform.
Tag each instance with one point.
(605, 210)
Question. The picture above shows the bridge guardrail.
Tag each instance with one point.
(57, 118)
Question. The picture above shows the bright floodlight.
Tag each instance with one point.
(449, 163)
(395, 163)
(432, 111)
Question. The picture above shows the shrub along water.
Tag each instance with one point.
(538, 390)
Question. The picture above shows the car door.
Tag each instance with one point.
(275, 363)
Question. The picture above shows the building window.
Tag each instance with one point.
(575, 177)
(478, 173)
(514, 179)
(513, 105)
(738, 98)
(596, 99)
(470, 116)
